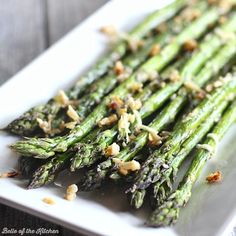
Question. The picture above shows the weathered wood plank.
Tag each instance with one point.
(22, 34)
(27, 28)
(64, 15)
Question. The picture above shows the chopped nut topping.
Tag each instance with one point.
(123, 126)
(212, 1)
(175, 76)
(222, 19)
(134, 104)
(192, 86)
(108, 120)
(121, 111)
(115, 103)
(72, 114)
(112, 150)
(10, 174)
(161, 28)
(153, 137)
(153, 75)
(209, 88)
(48, 201)
(218, 84)
(61, 98)
(119, 68)
(109, 30)
(190, 45)
(70, 125)
(134, 44)
(155, 50)
(215, 177)
(191, 14)
(136, 87)
(154, 140)
(225, 36)
(45, 125)
(200, 95)
(131, 118)
(71, 192)
(142, 76)
(125, 168)
(162, 84)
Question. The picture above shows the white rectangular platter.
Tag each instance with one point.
(211, 209)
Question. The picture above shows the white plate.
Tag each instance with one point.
(211, 208)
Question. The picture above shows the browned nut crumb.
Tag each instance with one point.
(119, 68)
(135, 44)
(73, 114)
(125, 168)
(190, 45)
(155, 50)
(10, 174)
(191, 14)
(71, 192)
(136, 87)
(209, 88)
(192, 86)
(215, 177)
(200, 95)
(108, 120)
(175, 76)
(115, 103)
(61, 98)
(49, 201)
(44, 125)
(222, 19)
(134, 104)
(161, 28)
(70, 125)
(154, 140)
(109, 30)
(112, 150)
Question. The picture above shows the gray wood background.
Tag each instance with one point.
(27, 28)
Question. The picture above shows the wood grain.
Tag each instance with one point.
(62, 17)
(22, 34)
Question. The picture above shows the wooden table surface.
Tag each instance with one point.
(28, 27)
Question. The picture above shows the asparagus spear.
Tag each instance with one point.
(88, 153)
(103, 86)
(223, 56)
(48, 147)
(27, 124)
(157, 162)
(168, 212)
(164, 185)
(27, 166)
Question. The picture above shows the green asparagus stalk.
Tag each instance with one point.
(104, 85)
(47, 172)
(48, 147)
(157, 162)
(222, 57)
(88, 153)
(40, 177)
(164, 185)
(27, 124)
(27, 166)
(168, 212)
